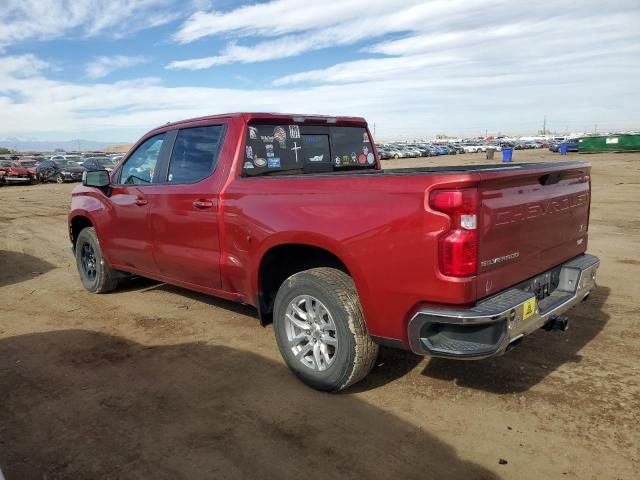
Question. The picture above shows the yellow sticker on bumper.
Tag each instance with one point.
(528, 308)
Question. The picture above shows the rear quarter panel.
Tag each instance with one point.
(377, 224)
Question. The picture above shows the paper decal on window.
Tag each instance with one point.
(274, 162)
(280, 135)
(295, 149)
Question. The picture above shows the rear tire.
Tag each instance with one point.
(327, 346)
(96, 274)
(59, 179)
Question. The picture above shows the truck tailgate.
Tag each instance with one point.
(530, 221)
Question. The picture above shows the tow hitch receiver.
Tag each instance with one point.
(560, 322)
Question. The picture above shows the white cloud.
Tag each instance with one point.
(103, 66)
(325, 24)
(423, 26)
(46, 19)
(423, 67)
(20, 66)
(279, 17)
(411, 105)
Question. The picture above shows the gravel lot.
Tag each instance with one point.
(153, 381)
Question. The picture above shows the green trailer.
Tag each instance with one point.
(609, 143)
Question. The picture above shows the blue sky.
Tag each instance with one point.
(110, 70)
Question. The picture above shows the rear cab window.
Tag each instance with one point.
(300, 149)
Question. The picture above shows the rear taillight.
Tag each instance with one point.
(458, 247)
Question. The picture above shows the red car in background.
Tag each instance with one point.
(18, 171)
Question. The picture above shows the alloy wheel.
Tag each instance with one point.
(311, 332)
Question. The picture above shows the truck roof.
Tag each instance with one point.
(285, 117)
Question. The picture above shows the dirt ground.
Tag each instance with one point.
(153, 381)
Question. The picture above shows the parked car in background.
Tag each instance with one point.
(27, 163)
(99, 163)
(424, 151)
(16, 172)
(410, 152)
(433, 150)
(384, 153)
(472, 148)
(572, 145)
(60, 171)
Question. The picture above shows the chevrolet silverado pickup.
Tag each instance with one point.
(294, 215)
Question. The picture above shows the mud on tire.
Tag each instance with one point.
(334, 293)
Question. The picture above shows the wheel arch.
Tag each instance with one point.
(77, 223)
(281, 261)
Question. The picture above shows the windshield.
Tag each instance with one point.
(29, 163)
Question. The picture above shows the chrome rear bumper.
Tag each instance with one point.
(492, 324)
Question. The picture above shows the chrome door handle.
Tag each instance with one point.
(141, 201)
(202, 204)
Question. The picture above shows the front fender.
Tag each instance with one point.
(86, 203)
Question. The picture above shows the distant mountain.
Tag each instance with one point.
(34, 145)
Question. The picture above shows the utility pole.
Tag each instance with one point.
(544, 125)
(374, 129)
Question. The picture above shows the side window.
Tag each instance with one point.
(141, 165)
(195, 154)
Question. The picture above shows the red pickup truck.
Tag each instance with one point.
(294, 215)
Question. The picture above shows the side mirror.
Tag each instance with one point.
(95, 178)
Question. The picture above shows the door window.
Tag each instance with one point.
(141, 165)
(195, 154)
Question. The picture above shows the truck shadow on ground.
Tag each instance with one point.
(518, 370)
(539, 354)
(391, 365)
(16, 267)
(82, 404)
(147, 285)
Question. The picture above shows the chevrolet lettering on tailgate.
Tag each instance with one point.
(529, 211)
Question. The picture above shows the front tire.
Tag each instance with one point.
(96, 274)
(59, 178)
(320, 329)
